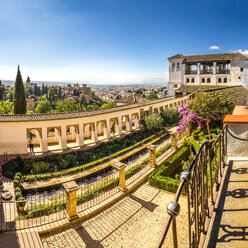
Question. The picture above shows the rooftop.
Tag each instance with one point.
(210, 57)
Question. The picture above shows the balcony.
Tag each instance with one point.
(190, 72)
(206, 71)
(223, 71)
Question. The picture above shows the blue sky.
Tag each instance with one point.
(114, 41)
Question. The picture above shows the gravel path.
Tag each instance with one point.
(135, 221)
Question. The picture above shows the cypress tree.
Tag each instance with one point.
(20, 105)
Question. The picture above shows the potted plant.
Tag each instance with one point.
(21, 204)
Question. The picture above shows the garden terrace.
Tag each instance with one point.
(50, 181)
(58, 132)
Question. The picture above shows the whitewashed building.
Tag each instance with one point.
(207, 69)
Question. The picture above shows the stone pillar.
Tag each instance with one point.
(174, 140)
(119, 126)
(80, 135)
(152, 150)
(198, 68)
(122, 180)
(94, 133)
(71, 189)
(108, 128)
(44, 140)
(1, 180)
(63, 141)
(214, 67)
(130, 123)
(150, 110)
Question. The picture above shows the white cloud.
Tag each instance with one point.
(242, 51)
(214, 48)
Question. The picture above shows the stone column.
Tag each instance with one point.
(214, 67)
(108, 128)
(44, 140)
(122, 180)
(128, 123)
(119, 126)
(152, 150)
(63, 141)
(174, 140)
(80, 136)
(94, 133)
(150, 110)
(71, 189)
(1, 180)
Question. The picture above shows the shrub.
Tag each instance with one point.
(16, 183)
(21, 201)
(18, 195)
(153, 122)
(19, 174)
(170, 117)
(40, 167)
(17, 189)
(160, 178)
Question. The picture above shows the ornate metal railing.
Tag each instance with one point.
(205, 171)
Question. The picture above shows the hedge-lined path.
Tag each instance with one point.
(135, 221)
(78, 175)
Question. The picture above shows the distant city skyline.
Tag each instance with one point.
(112, 41)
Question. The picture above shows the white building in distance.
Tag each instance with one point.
(207, 69)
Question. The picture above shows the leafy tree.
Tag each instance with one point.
(2, 91)
(51, 96)
(20, 105)
(82, 100)
(28, 90)
(60, 93)
(43, 89)
(154, 122)
(211, 107)
(43, 106)
(37, 90)
(10, 95)
(152, 96)
(59, 106)
(170, 117)
(6, 107)
(67, 106)
(108, 105)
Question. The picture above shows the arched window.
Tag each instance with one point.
(187, 80)
(178, 66)
(225, 80)
(219, 80)
(192, 80)
(208, 80)
(203, 80)
(173, 66)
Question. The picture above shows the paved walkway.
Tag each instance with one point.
(135, 221)
(229, 226)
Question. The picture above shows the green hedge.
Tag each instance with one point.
(45, 176)
(160, 178)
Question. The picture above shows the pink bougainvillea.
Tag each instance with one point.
(187, 118)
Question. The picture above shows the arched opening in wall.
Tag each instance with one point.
(147, 113)
(54, 138)
(225, 80)
(125, 124)
(192, 80)
(161, 109)
(102, 133)
(187, 80)
(175, 105)
(208, 80)
(155, 111)
(89, 133)
(178, 104)
(219, 80)
(72, 136)
(182, 102)
(135, 121)
(171, 105)
(203, 80)
(34, 140)
(114, 127)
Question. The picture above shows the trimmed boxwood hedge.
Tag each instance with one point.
(87, 166)
(160, 178)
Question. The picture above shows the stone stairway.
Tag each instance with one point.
(229, 223)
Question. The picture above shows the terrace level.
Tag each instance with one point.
(75, 130)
